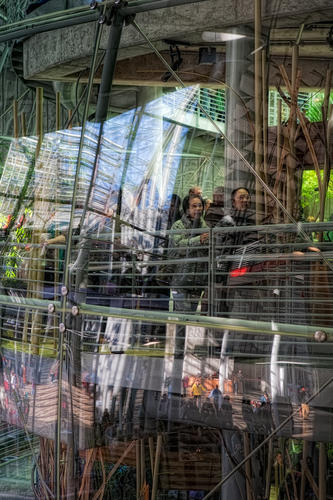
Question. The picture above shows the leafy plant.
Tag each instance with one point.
(310, 195)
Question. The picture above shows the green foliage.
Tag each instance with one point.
(310, 195)
(330, 451)
(312, 107)
(14, 256)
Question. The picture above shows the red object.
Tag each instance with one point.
(235, 273)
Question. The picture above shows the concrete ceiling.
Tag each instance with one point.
(65, 54)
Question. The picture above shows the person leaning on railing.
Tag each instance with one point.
(190, 247)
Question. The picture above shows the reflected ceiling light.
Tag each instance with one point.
(218, 36)
(152, 342)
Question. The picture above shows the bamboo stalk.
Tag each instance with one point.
(303, 478)
(311, 480)
(151, 453)
(142, 463)
(39, 118)
(58, 111)
(86, 472)
(36, 275)
(23, 125)
(70, 114)
(156, 466)
(291, 159)
(15, 119)
(56, 251)
(247, 467)
(269, 469)
(278, 159)
(265, 125)
(37, 272)
(101, 490)
(302, 121)
(276, 478)
(258, 104)
(322, 471)
(327, 165)
(292, 475)
(264, 112)
(138, 469)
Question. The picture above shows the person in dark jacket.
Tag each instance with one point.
(240, 214)
(230, 244)
(189, 246)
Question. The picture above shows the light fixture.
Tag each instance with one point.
(207, 55)
(218, 36)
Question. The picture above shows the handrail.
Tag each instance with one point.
(216, 323)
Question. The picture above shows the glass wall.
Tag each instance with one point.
(166, 250)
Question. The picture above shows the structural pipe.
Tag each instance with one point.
(217, 323)
(305, 331)
(155, 5)
(104, 94)
(109, 67)
(61, 344)
(48, 26)
(73, 17)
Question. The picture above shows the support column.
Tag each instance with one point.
(239, 111)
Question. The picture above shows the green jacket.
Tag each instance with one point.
(192, 270)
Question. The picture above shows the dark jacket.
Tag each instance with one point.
(234, 243)
(192, 255)
(236, 238)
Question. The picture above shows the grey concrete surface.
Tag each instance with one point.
(64, 51)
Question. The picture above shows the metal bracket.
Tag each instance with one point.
(111, 11)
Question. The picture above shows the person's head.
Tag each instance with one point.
(241, 199)
(175, 202)
(193, 206)
(195, 190)
(218, 195)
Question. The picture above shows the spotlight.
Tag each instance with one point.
(207, 55)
